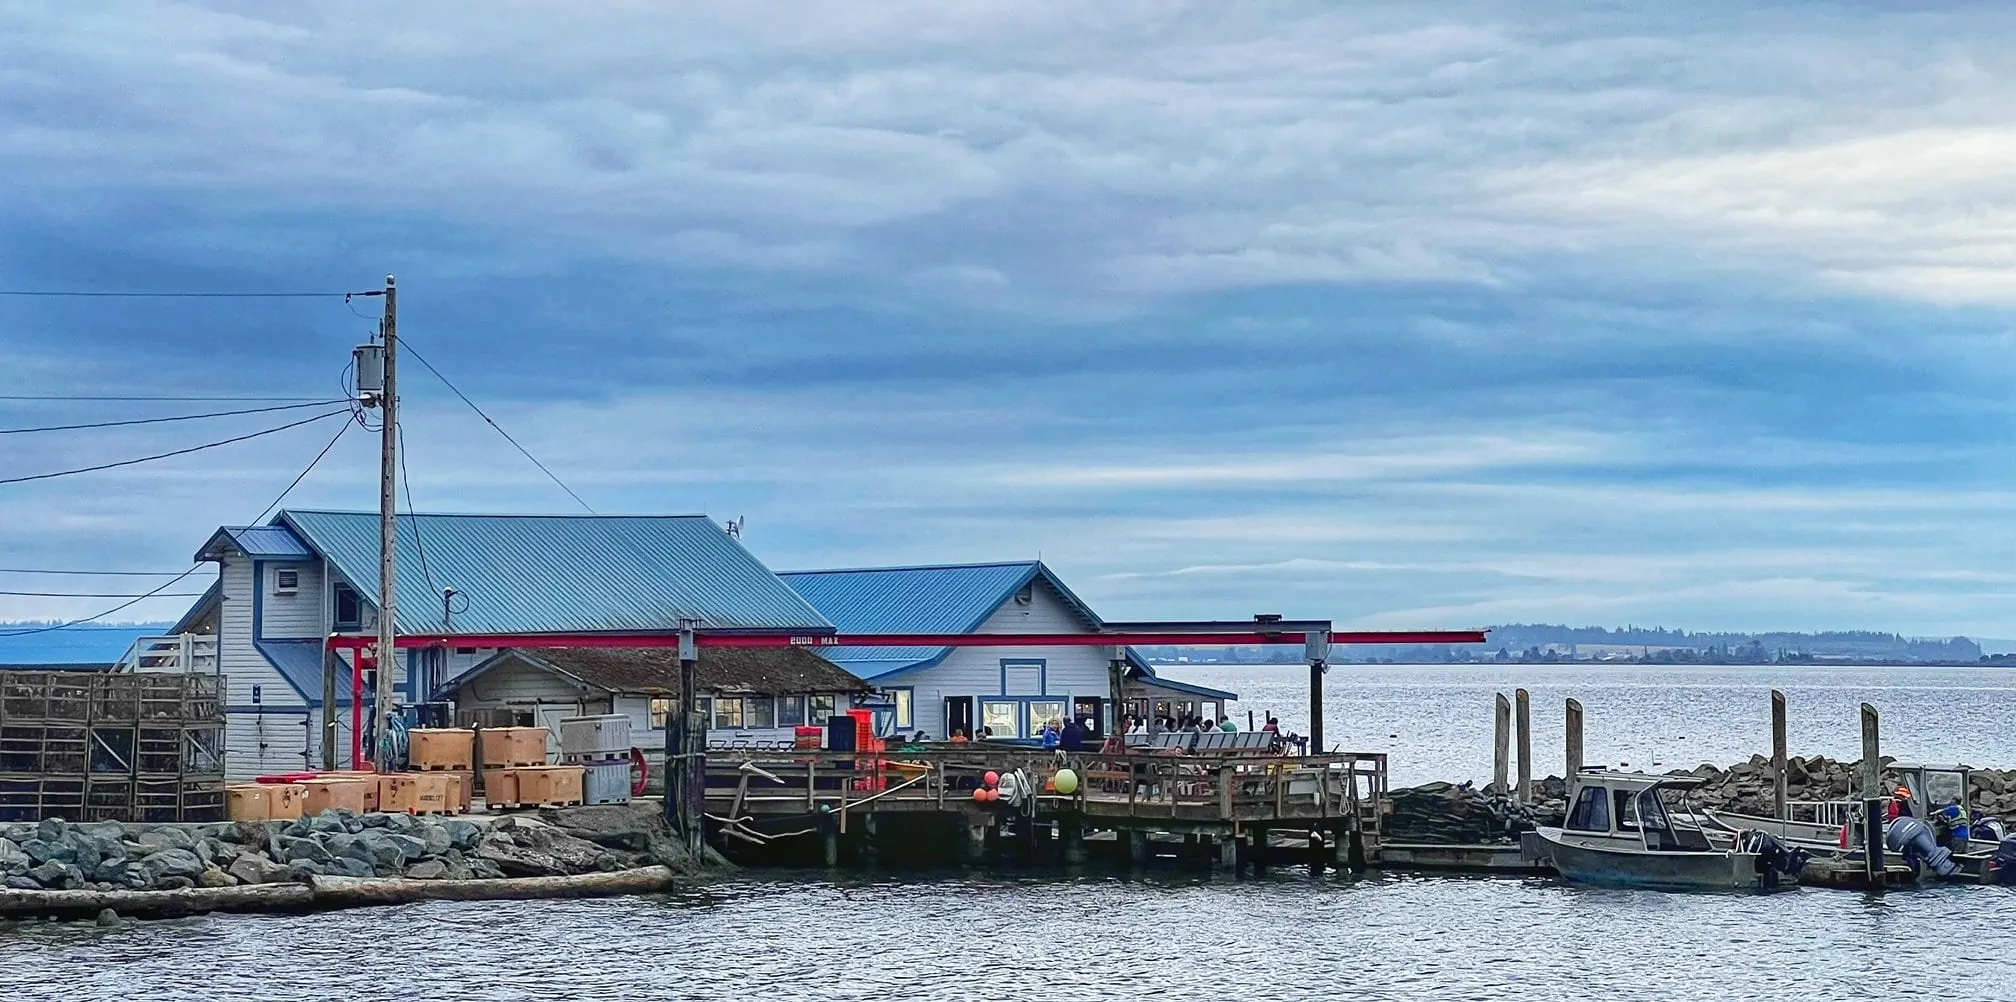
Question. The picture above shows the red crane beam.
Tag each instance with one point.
(770, 640)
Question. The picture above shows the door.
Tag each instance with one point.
(958, 715)
(1091, 709)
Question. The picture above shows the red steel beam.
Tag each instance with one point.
(745, 640)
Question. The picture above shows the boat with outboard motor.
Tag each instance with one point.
(1635, 830)
(1930, 824)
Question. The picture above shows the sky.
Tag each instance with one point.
(1410, 316)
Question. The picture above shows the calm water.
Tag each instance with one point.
(1286, 936)
(1435, 720)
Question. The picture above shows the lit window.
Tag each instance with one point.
(761, 711)
(824, 706)
(1044, 711)
(660, 709)
(728, 712)
(905, 715)
(1002, 716)
(791, 711)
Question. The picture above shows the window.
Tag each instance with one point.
(791, 711)
(761, 711)
(465, 651)
(1592, 811)
(1021, 678)
(728, 712)
(906, 714)
(823, 706)
(1002, 716)
(286, 582)
(1211, 710)
(660, 709)
(705, 704)
(349, 609)
(1627, 811)
(1043, 711)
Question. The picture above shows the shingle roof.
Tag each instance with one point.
(562, 573)
(655, 670)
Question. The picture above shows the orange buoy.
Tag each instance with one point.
(980, 794)
(991, 778)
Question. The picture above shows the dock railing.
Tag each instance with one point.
(176, 653)
(1135, 786)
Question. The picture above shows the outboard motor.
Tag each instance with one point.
(1773, 856)
(1990, 829)
(2002, 867)
(1913, 839)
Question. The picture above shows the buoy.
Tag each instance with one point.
(1066, 781)
(992, 795)
(980, 794)
(992, 778)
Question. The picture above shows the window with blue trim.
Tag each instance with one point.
(349, 612)
(1022, 678)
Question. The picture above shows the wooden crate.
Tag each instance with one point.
(414, 792)
(283, 801)
(345, 794)
(505, 747)
(248, 802)
(550, 785)
(500, 788)
(441, 749)
(461, 788)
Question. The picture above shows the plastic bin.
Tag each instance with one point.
(605, 782)
(595, 738)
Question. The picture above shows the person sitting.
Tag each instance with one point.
(958, 737)
(1073, 737)
(1272, 725)
(1052, 735)
(1226, 724)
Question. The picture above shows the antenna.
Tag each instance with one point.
(735, 526)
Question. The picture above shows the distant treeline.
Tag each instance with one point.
(1546, 642)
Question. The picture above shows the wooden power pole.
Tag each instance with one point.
(388, 531)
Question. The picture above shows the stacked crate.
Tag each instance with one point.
(450, 750)
(600, 746)
(506, 752)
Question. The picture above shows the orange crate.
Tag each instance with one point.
(414, 792)
(461, 787)
(506, 747)
(344, 794)
(250, 802)
(284, 801)
(550, 785)
(500, 787)
(431, 749)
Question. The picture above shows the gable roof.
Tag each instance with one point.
(655, 670)
(937, 598)
(264, 542)
(550, 573)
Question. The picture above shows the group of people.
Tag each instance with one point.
(1190, 724)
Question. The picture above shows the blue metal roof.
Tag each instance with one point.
(267, 542)
(939, 598)
(1190, 687)
(300, 663)
(562, 573)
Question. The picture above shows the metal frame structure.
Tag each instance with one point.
(97, 746)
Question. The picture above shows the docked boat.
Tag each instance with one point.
(1634, 830)
(1937, 795)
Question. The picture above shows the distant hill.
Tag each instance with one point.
(1546, 642)
(78, 645)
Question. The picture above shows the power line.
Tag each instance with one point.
(123, 606)
(168, 419)
(101, 594)
(89, 294)
(408, 346)
(177, 452)
(152, 399)
(46, 570)
(406, 481)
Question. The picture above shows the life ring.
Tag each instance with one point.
(643, 771)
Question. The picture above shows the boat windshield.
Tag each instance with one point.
(1661, 834)
(1942, 788)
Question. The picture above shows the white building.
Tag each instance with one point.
(1010, 690)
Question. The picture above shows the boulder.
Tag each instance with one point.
(166, 838)
(20, 882)
(43, 850)
(329, 821)
(255, 868)
(14, 859)
(56, 875)
(111, 871)
(431, 869)
(297, 849)
(52, 829)
(347, 866)
(302, 870)
(402, 823)
(374, 820)
(214, 877)
(174, 883)
(172, 863)
(435, 840)
(462, 834)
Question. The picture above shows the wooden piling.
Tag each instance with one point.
(1872, 798)
(1137, 847)
(1501, 745)
(1523, 723)
(1574, 735)
(1781, 809)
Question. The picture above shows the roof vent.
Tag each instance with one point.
(1026, 594)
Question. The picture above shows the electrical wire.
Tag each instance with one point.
(177, 452)
(412, 514)
(168, 419)
(101, 594)
(88, 294)
(492, 423)
(153, 399)
(47, 570)
(171, 582)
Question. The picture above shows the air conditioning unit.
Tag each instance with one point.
(286, 582)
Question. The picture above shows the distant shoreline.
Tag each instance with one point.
(2000, 661)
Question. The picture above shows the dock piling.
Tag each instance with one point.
(1524, 725)
(1573, 761)
(1779, 794)
(1874, 868)
(1501, 745)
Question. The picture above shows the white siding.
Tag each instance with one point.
(976, 671)
(242, 664)
(259, 743)
(522, 687)
(291, 617)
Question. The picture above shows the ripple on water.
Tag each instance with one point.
(1093, 938)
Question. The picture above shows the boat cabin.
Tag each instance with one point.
(1927, 789)
(1634, 809)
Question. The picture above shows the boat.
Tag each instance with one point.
(1635, 830)
(1937, 795)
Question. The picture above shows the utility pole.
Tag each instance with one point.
(388, 529)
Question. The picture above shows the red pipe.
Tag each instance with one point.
(357, 709)
(743, 640)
